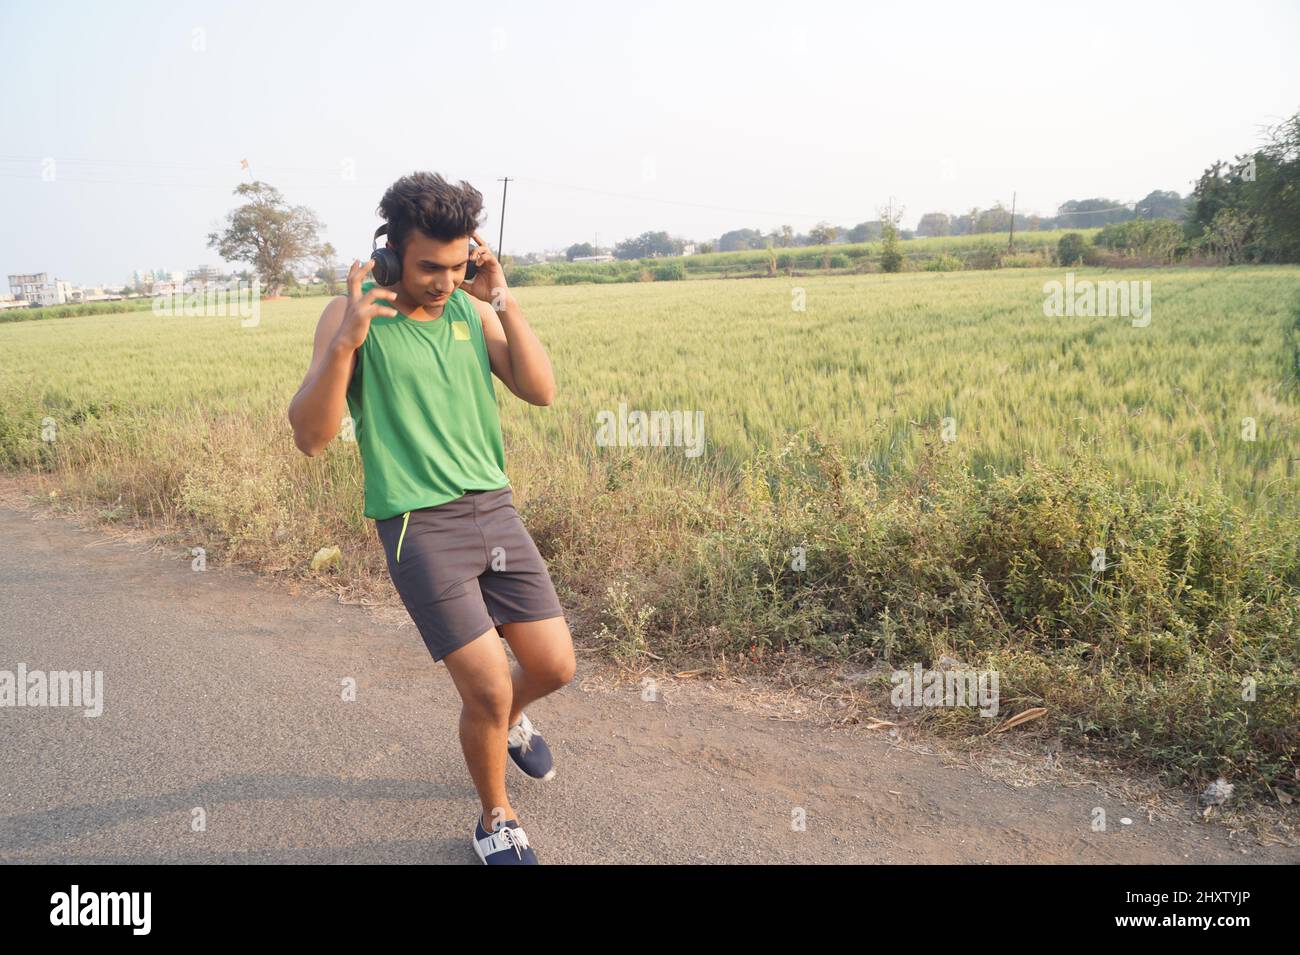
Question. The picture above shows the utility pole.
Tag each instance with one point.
(505, 184)
(1011, 237)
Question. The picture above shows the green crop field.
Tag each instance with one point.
(874, 362)
(949, 456)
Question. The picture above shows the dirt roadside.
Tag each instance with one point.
(714, 766)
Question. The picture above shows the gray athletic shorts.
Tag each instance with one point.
(466, 566)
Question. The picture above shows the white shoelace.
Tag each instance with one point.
(521, 734)
(505, 838)
(516, 839)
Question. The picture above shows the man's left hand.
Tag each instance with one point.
(489, 283)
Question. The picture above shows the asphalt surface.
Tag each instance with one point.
(225, 738)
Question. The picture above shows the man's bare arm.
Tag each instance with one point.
(316, 412)
(517, 357)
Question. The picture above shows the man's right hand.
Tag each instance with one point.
(361, 308)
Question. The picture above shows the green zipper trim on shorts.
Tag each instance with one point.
(406, 518)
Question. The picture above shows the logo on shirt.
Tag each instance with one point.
(460, 331)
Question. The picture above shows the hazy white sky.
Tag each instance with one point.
(612, 119)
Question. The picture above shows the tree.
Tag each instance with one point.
(325, 257)
(579, 250)
(267, 233)
(740, 240)
(1260, 194)
(1161, 205)
(1228, 233)
(891, 260)
(934, 224)
(648, 245)
(1276, 193)
(823, 233)
(997, 219)
(1088, 213)
(865, 231)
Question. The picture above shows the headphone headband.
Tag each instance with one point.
(388, 264)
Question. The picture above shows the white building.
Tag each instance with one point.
(37, 289)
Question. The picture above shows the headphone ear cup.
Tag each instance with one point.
(388, 267)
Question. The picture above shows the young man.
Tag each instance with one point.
(414, 363)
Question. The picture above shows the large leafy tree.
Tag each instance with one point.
(740, 240)
(1161, 204)
(865, 231)
(1250, 208)
(823, 233)
(933, 224)
(267, 233)
(648, 244)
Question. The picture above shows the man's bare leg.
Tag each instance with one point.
(481, 673)
(544, 651)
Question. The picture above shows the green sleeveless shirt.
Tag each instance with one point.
(424, 410)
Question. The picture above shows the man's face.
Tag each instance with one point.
(431, 269)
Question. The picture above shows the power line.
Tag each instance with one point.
(335, 172)
(232, 164)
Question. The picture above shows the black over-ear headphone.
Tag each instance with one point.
(388, 264)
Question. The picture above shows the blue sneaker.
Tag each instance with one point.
(529, 750)
(507, 845)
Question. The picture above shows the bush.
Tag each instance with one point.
(1070, 250)
(943, 263)
(839, 261)
(1155, 238)
(670, 272)
(73, 309)
(1145, 657)
(1100, 258)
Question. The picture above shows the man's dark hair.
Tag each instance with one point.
(427, 202)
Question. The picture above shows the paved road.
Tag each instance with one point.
(222, 694)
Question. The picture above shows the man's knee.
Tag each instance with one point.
(555, 672)
(489, 700)
(564, 670)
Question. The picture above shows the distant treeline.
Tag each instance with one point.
(948, 253)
